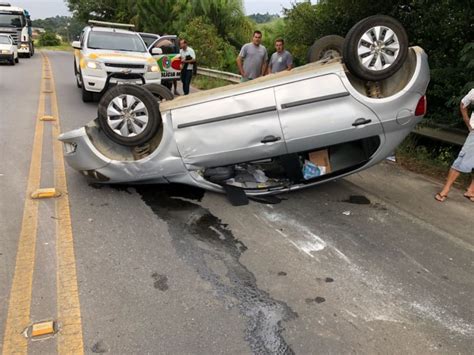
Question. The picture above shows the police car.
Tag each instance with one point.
(108, 54)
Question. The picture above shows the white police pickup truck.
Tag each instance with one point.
(108, 54)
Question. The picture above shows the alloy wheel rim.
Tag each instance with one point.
(127, 116)
(378, 48)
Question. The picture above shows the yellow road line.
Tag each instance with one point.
(18, 317)
(70, 339)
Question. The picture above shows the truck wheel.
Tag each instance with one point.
(161, 92)
(375, 48)
(327, 47)
(129, 115)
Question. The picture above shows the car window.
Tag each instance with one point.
(148, 39)
(167, 45)
(115, 41)
(5, 40)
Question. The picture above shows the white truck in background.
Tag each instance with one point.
(16, 22)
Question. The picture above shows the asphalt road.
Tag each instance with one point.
(367, 264)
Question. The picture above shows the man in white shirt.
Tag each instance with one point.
(465, 161)
(188, 60)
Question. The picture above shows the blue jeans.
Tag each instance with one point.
(186, 76)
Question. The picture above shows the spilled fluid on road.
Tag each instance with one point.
(203, 241)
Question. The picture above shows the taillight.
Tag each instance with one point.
(421, 107)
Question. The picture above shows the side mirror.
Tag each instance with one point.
(157, 51)
(76, 45)
(29, 23)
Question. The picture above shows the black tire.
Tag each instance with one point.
(12, 60)
(87, 96)
(17, 60)
(151, 105)
(351, 47)
(77, 76)
(161, 92)
(327, 47)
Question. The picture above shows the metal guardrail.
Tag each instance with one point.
(212, 73)
(442, 134)
(456, 137)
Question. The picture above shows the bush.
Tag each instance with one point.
(49, 39)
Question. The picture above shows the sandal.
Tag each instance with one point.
(469, 197)
(440, 198)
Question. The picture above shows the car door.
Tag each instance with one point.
(239, 128)
(320, 112)
(170, 61)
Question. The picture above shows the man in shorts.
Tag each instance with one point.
(252, 59)
(281, 60)
(465, 161)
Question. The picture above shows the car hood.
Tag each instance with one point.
(120, 57)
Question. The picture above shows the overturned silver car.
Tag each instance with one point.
(327, 119)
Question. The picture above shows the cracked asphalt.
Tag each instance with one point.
(367, 264)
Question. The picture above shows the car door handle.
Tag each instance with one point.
(361, 122)
(270, 139)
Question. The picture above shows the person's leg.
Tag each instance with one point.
(175, 86)
(452, 176)
(470, 191)
(187, 81)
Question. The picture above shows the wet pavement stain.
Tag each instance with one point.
(160, 281)
(358, 200)
(316, 300)
(100, 347)
(198, 236)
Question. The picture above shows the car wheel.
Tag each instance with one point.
(129, 115)
(375, 48)
(161, 92)
(78, 76)
(87, 96)
(12, 60)
(327, 47)
(17, 60)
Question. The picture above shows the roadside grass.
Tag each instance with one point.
(430, 158)
(62, 47)
(205, 83)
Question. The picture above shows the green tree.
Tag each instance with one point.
(227, 16)
(211, 50)
(157, 16)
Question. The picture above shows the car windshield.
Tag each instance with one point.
(115, 41)
(5, 40)
(11, 20)
(148, 39)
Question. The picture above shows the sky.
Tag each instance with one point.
(51, 8)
